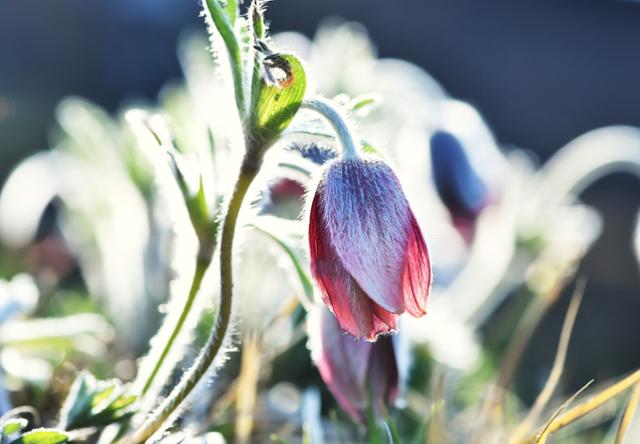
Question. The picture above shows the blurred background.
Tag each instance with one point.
(541, 74)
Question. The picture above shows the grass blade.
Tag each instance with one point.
(558, 365)
(628, 414)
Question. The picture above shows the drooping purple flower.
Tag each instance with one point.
(368, 256)
(460, 187)
(359, 374)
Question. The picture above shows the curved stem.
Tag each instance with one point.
(588, 158)
(216, 339)
(339, 124)
(201, 267)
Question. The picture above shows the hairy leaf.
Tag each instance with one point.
(42, 436)
(281, 91)
(14, 425)
(93, 403)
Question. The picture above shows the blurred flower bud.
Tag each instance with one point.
(368, 256)
(359, 374)
(461, 189)
(284, 198)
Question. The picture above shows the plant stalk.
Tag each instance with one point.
(209, 352)
(201, 267)
(339, 124)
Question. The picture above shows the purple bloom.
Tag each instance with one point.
(359, 374)
(368, 256)
(460, 187)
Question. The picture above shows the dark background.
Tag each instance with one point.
(540, 72)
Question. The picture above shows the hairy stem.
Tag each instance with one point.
(339, 124)
(201, 267)
(216, 339)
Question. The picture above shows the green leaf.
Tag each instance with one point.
(42, 436)
(374, 433)
(123, 401)
(221, 20)
(257, 19)
(392, 429)
(232, 11)
(275, 438)
(203, 223)
(364, 103)
(14, 425)
(93, 403)
(79, 399)
(368, 148)
(280, 93)
(102, 397)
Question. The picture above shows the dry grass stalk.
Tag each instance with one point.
(437, 423)
(247, 388)
(558, 365)
(628, 414)
(561, 420)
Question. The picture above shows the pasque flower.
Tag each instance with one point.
(368, 255)
(461, 189)
(284, 198)
(359, 374)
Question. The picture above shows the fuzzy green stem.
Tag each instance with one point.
(216, 339)
(339, 124)
(201, 267)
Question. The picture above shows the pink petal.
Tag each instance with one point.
(367, 217)
(383, 377)
(356, 372)
(356, 313)
(343, 363)
(416, 279)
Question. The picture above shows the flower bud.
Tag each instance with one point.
(368, 256)
(461, 189)
(284, 198)
(359, 374)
